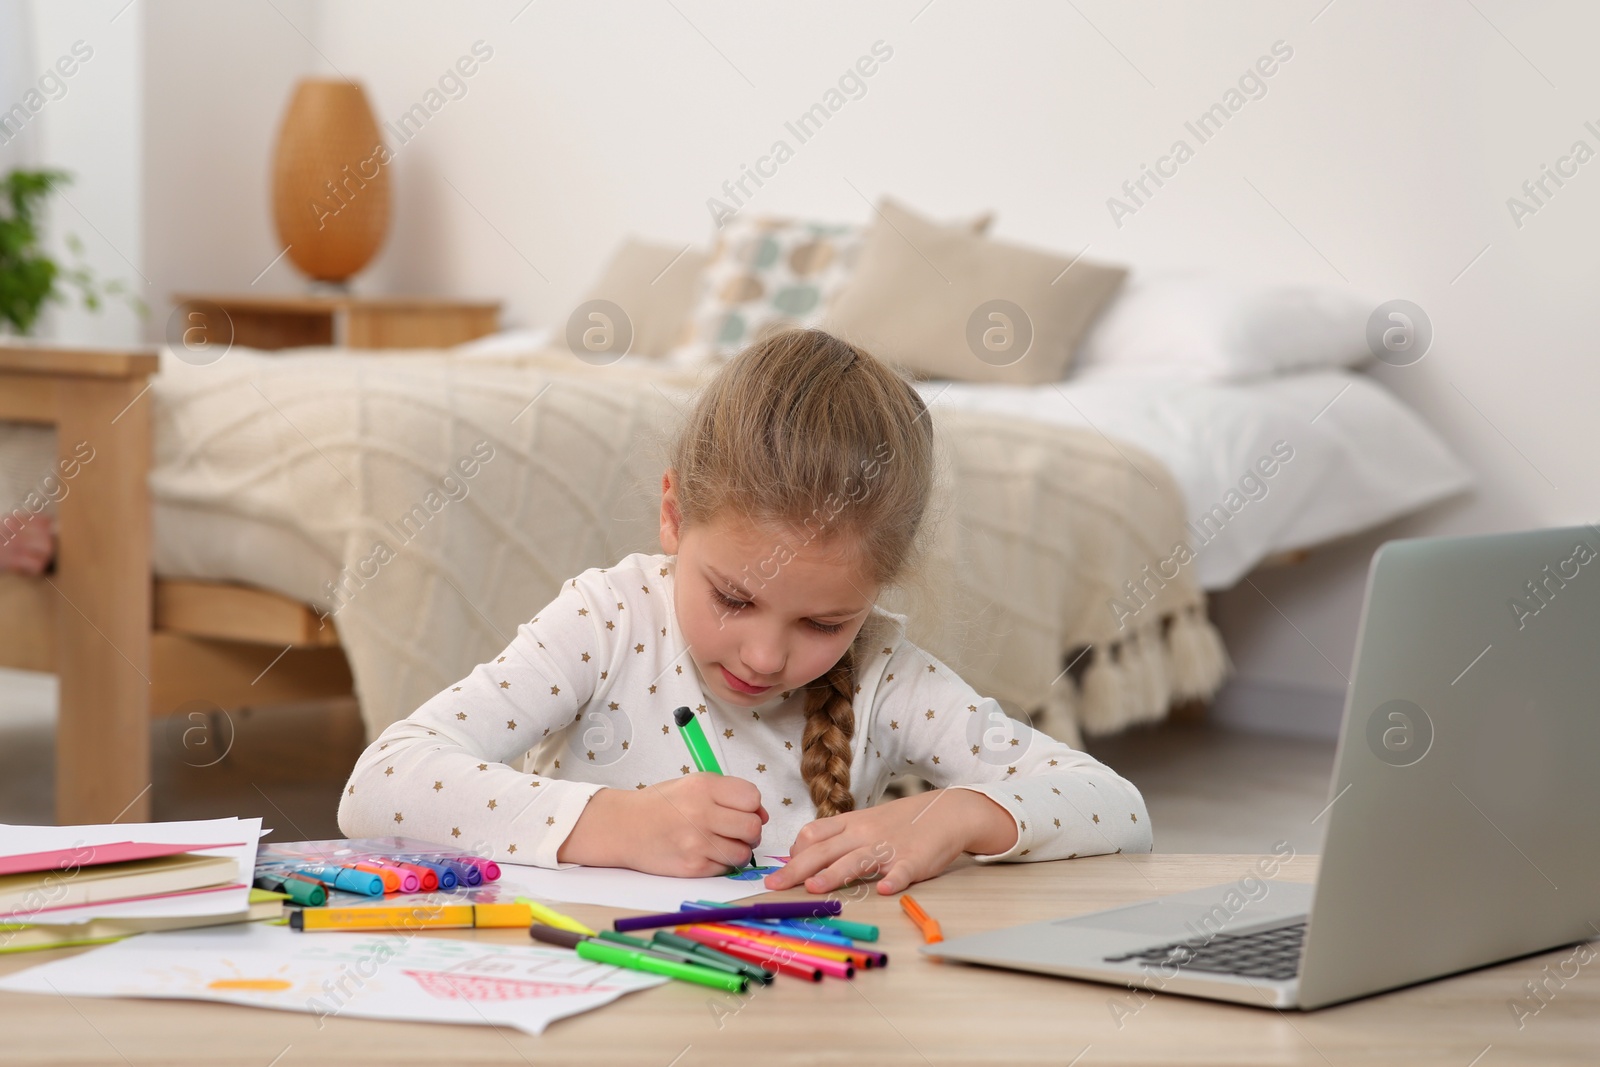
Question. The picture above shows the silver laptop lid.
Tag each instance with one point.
(1465, 818)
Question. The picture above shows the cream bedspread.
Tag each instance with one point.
(453, 496)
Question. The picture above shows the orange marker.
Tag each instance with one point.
(800, 946)
(391, 877)
(926, 923)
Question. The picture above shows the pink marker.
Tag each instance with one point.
(409, 882)
(832, 968)
(489, 868)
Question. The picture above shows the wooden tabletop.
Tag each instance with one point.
(916, 1011)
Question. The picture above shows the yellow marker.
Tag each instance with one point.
(550, 917)
(413, 917)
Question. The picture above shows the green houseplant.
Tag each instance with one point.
(28, 276)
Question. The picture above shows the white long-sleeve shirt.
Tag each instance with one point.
(583, 698)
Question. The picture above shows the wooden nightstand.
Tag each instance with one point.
(271, 322)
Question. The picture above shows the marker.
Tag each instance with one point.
(404, 917)
(925, 922)
(852, 930)
(597, 951)
(816, 928)
(488, 870)
(407, 880)
(816, 951)
(551, 917)
(667, 939)
(466, 874)
(446, 878)
(689, 916)
(792, 927)
(832, 939)
(693, 736)
(391, 877)
(776, 953)
(679, 954)
(346, 878)
(301, 890)
(764, 955)
(427, 881)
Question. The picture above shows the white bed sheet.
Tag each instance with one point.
(1360, 456)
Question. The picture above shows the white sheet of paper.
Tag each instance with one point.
(20, 839)
(617, 887)
(368, 976)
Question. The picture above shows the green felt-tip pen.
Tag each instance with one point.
(699, 748)
(663, 949)
(700, 753)
(667, 939)
(619, 956)
(853, 930)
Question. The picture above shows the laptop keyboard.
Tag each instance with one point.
(1272, 953)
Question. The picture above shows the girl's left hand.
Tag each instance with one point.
(896, 841)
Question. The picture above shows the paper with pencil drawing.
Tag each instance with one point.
(378, 976)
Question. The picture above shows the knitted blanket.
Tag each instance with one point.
(450, 497)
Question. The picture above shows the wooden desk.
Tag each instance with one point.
(917, 1011)
(272, 322)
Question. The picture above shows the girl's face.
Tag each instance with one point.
(762, 612)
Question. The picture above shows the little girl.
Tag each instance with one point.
(796, 492)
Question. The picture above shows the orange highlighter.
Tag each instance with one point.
(926, 923)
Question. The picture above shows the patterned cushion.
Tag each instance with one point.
(767, 274)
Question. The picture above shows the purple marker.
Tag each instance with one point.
(799, 909)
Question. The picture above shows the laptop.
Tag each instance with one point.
(1463, 825)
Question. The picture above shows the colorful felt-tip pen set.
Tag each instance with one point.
(723, 946)
(727, 946)
(308, 881)
(711, 943)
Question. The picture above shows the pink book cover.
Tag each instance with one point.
(95, 855)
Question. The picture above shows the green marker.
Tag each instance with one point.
(699, 748)
(618, 956)
(300, 890)
(663, 949)
(666, 939)
(700, 753)
(853, 930)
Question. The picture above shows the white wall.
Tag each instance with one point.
(1382, 152)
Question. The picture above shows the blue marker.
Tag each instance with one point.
(447, 877)
(466, 874)
(346, 878)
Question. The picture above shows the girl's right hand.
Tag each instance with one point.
(696, 826)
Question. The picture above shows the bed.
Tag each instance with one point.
(271, 480)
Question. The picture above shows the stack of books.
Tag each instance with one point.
(159, 877)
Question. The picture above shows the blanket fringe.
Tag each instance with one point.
(1137, 678)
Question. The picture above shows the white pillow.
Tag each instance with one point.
(1204, 328)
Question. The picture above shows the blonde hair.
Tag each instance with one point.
(804, 429)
